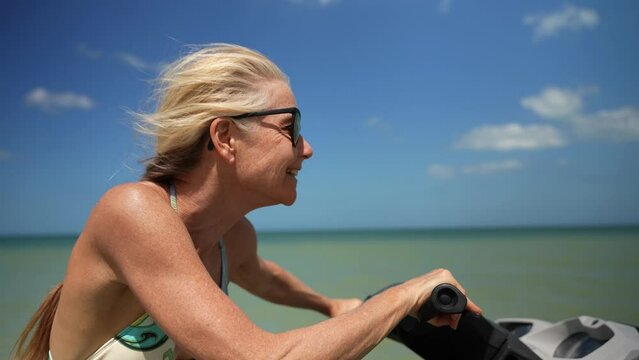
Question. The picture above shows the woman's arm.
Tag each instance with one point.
(268, 280)
(149, 250)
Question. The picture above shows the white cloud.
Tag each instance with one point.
(492, 167)
(46, 100)
(569, 18)
(617, 125)
(511, 136)
(555, 103)
(383, 128)
(126, 58)
(84, 50)
(566, 105)
(441, 171)
(4, 155)
(378, 123)
(139, 64)
(445, 172)
(444, 6)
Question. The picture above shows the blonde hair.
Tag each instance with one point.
(36, 334)
(214, 81)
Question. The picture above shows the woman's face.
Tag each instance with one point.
(267, 162)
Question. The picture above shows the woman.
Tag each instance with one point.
(147, 277)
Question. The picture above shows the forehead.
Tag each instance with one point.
(280, 95)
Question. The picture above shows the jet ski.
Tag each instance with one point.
(477, 338)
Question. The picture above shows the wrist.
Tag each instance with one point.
(413, 293)
(341, 306)
(329, 307)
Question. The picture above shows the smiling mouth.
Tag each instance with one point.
(292, 172)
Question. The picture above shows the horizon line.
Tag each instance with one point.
(389, 228)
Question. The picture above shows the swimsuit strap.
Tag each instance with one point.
(173, 196)
(225, 275)
(224, 278)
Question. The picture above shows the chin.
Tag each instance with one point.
(282, 199)
(290, 200)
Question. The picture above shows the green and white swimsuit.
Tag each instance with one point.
(143, 339)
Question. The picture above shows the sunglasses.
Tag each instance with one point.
(294, 129)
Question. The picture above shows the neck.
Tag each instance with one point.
(210, 202)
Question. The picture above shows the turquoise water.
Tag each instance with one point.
(548, 273)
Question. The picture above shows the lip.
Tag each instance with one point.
(293, 172)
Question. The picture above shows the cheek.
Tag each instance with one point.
(264, 155)
(256, 167)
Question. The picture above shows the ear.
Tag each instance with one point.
(222, 132)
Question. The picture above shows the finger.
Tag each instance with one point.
(441, 320)
(438, 320)
(454, 321)
(460, 288)
(472, 307)
(353, 303)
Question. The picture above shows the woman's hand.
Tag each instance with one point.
(424, 286)
(341, 306)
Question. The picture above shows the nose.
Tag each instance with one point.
(304, 147)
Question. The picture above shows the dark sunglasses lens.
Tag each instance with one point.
(297, 127)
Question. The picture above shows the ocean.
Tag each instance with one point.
(546, 273)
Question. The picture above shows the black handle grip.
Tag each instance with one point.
(445, 299)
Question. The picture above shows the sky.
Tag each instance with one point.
(439, 113)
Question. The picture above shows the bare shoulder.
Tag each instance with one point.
(132, 217)
(241, 244)
(136, 197)
(241, 236)
(126, 205)
(242, 229)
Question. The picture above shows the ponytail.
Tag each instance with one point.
(39, 327)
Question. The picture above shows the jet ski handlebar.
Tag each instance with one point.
(444, 299)
(477, 338)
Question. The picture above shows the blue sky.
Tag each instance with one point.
(421, 113)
